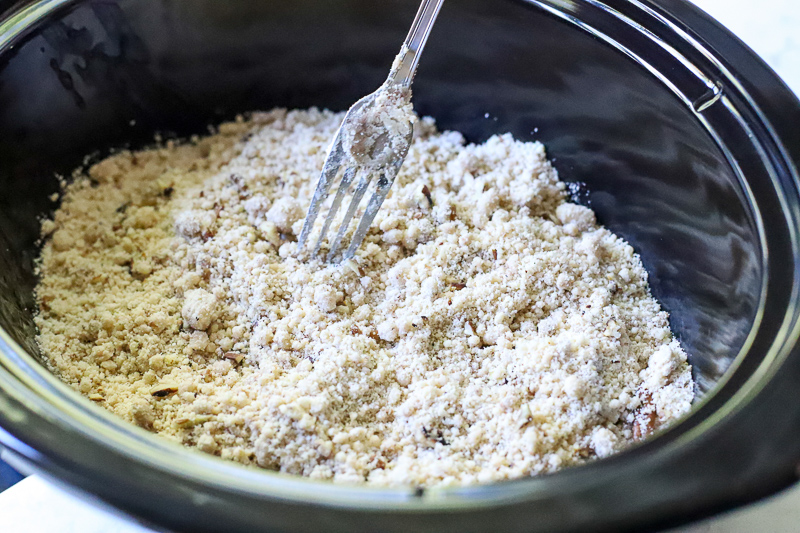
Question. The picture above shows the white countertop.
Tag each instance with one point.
(772, 29)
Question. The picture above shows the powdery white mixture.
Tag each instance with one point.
(486, 329)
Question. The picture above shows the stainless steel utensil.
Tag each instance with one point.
(387, 147)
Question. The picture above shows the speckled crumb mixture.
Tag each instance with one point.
(486, 329)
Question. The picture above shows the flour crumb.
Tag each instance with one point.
(199, 308)
(284, 213)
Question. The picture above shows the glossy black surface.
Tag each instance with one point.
(107, 74)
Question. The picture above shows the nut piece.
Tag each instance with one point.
(186, 422)
(235, 357)
(163, 389)
(644, 423)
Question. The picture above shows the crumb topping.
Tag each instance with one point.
(486, 329)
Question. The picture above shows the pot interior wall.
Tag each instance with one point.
(109, 74)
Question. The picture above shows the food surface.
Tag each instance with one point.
(486, 329)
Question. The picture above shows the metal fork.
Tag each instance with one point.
(400, 77)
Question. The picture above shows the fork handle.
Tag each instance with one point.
(405, 65)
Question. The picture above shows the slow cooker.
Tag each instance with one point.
(677, 135)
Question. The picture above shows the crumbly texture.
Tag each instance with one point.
(486, 329)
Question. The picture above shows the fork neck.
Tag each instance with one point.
(405, 64)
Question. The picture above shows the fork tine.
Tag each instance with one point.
(361, 188)
(344, 186)
(329, 170)
(381, 191)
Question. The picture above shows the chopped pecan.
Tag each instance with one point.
(427, 192)
(236, 357)
(163, 389)
(645, 418)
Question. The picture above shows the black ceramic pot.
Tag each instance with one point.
(684, 142)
